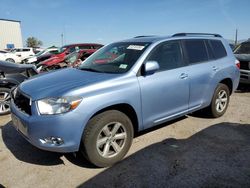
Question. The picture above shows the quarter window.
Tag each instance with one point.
(196, 51)
(218, 48)
(168, 55)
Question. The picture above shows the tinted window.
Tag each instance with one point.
(85, 47)
(26, 50)
(210, 50)
(168, 55)
(218, 48)
(196, 51)
(96, 47)
(72, 49)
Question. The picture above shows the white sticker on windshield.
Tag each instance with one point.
(135, 47)
(123, 66)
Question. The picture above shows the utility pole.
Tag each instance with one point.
(236, 37)
(62, 38)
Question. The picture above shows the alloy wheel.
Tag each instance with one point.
(4, 102)
(111, 139)
(221, 101)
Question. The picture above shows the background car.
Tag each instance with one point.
(34, 58)
(12, 75)
(23, 52)
(86, 48)
(8, 56)
(72, 60)
(242, 53)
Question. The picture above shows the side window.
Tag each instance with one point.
(218, 48)
(196, 51)
(85, 47)
(72, 49)
(210, 50)
(168, 55)
(96, 47)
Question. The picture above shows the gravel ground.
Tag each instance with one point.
(189, 152)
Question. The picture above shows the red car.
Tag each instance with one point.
(86, 48)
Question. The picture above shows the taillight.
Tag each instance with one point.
(237, 63)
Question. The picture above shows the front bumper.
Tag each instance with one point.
(245, 76)
(36, 128)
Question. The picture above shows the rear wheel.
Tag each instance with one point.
(107, 138)
(4, 101)
(10, 60)
(220, 101)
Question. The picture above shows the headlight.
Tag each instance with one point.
(58, 105)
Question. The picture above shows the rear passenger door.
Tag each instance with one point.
(165, 94)
(201, 71)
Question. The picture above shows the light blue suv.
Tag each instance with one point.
(123, 88)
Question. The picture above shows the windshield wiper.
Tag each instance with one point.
(89, 69)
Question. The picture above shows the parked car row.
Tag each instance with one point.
(125, 87)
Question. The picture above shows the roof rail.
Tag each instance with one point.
(196, 34)
(141, 36)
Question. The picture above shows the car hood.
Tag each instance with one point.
(58, 83)
(243, 57)
(10, 68)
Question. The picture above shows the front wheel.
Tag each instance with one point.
(107, 138)
(4, 101)
(10, 60)
(220, 101)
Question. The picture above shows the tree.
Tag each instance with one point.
(33, 42)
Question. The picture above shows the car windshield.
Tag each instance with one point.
(71, 58)
(62, 49)
(244, 48)
(40, 53)
(115, 58)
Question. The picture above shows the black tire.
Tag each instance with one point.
(96, 131)
(4, 101)
(221, 94)
(10, 60)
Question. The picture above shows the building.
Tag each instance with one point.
(10, 34)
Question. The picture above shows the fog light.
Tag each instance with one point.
(52, 141)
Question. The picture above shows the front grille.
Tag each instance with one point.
(22, 102)
(245, 65)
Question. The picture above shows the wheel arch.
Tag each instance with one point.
(229, 83)
(126, 109)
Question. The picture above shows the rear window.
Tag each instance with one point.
(85, 47)
(96, 47)
(195, 51)
(218, 49)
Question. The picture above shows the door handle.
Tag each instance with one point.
(215, 68)
(183, 76)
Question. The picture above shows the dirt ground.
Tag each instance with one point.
(189, 152)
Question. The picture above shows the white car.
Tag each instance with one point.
(34, 58)
(23, 53)
(10, 57)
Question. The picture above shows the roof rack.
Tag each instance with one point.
(141, 36)
(196, 34)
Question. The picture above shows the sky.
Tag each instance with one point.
(106, 21)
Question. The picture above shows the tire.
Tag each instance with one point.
(220, 101)
(10, 60)
(4, 101)
(112, 147)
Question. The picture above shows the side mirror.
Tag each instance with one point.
(150, 67)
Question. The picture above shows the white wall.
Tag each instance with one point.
(10, 33)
